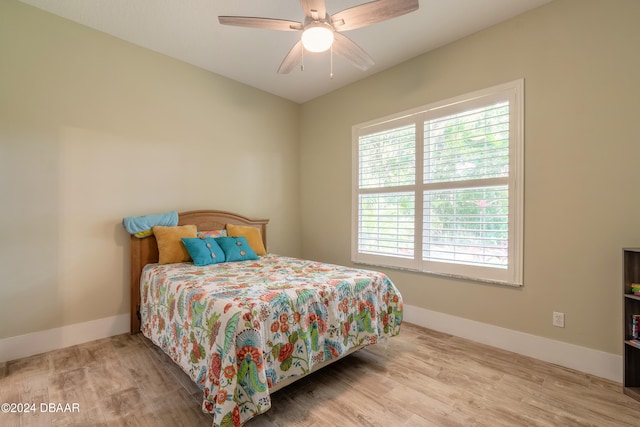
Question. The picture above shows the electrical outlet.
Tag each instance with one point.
(558, 319)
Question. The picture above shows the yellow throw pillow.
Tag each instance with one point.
(170, 246)
(253, 235)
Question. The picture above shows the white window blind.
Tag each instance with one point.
(388, 158)
(439, 189)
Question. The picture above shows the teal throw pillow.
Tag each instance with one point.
(236, 248)
(204, 250)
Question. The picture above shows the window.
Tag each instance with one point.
(439, 189)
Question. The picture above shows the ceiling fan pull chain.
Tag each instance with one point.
(302, 60)
(331, 72)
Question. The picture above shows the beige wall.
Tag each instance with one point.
(580, 62)
(93, 129)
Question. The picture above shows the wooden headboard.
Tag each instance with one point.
(145, 251)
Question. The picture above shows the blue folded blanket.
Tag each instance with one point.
(141, 226)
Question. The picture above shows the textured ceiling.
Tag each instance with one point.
(188, 30)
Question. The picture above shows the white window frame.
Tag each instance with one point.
(513, 92)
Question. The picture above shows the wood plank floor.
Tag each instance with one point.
(421, 378)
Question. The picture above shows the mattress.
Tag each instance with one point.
(239, 328)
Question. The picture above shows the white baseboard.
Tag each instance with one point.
(53, 339)
(595, 362)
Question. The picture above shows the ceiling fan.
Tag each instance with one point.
(321, 31)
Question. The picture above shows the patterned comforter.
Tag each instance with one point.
(238, 328)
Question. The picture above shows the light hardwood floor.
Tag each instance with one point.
(420, 378)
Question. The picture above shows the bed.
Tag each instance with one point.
(242, 330)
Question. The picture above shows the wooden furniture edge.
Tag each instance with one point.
(145, 250)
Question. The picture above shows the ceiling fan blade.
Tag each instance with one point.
(292, 59)
(372, 12)
(266, 23)
(345, 47)
(314, 9)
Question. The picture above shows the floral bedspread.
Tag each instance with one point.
(238, 328)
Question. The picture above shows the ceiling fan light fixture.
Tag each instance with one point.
(317, 37)
(322, 31)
